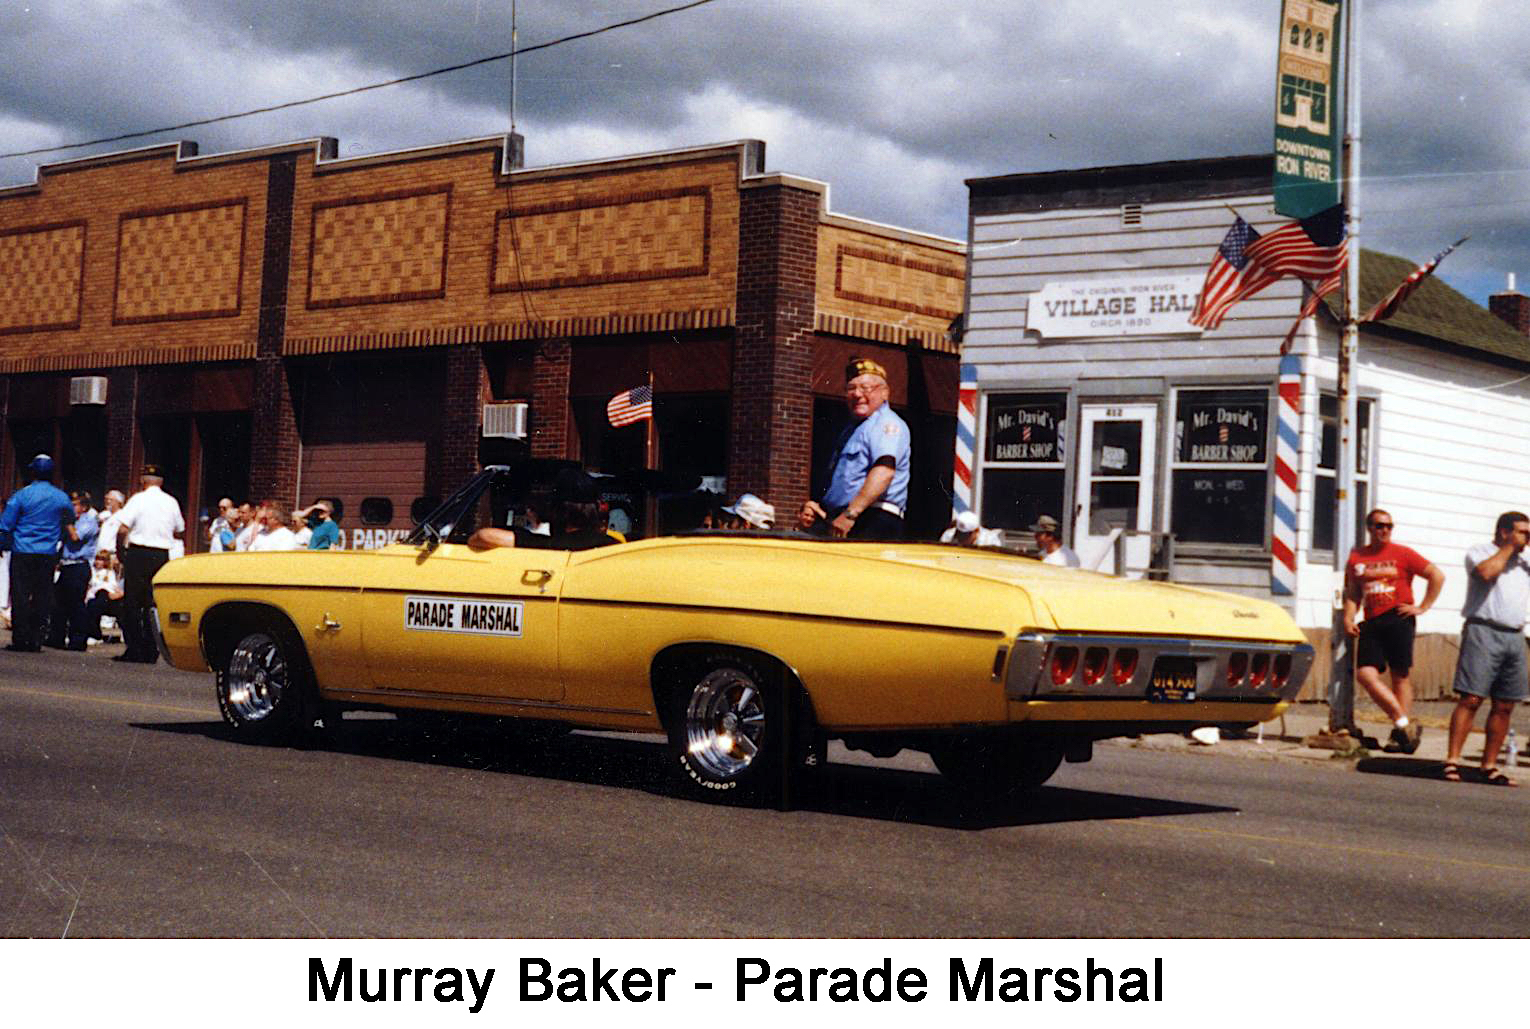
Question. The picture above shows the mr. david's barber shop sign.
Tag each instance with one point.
(1142, 306)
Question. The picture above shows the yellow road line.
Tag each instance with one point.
(1343, 848)
(104, 700)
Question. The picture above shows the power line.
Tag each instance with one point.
(361, 89)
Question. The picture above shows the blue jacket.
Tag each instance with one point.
(34, 518)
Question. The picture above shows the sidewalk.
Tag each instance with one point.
(1286, 738)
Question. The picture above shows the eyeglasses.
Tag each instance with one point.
(1379, 526)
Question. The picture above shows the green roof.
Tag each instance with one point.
(1434, 309)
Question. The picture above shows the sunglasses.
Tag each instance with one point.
(1380, 525)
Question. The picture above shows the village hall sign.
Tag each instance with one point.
(1142, 306)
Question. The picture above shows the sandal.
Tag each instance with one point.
(1495, 777)
(1451, 772)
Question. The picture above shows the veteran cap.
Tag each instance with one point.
(152, 471)
(859, 366)
(1046, 523)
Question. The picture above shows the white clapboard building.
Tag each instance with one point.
(1088, 395)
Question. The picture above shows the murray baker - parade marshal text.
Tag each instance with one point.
(968, 979)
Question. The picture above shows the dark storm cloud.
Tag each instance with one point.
(893, 104)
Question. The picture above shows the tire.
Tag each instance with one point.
(265, 690)
(726, 733)
(997, 767)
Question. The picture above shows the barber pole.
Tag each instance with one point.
(966, 440)
(1287, 445)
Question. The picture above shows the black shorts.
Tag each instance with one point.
(1386, 641)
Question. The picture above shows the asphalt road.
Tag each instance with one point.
(126, 810)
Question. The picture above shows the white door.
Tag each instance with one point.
(1117, 445)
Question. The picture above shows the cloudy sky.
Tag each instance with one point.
(894, 103)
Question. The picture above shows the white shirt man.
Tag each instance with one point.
(151, 518)
(219, 526)
(149, 523)
(277, 536)
(253, 526)
(1052, 550)
(966, 531)
(111, 521)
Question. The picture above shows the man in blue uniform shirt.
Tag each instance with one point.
(34, 519)
(868, 484)
(76, 555)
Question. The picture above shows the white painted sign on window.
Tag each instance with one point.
(1141, 306)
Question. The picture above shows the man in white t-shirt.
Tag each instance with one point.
(149, 525)
(250, 521)
(220, 534)
(966, 531)
(276, 536)
(111, 521)
(1050, 544)
(1492, 664)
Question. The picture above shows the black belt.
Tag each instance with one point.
(1474, 620)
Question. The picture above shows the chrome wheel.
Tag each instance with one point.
(725, 724)
(257, 681)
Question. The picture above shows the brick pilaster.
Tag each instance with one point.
(549, 398)
(771, 439)
(467, 384)
(275, 445)
(122, 436)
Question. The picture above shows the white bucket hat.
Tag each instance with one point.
(754, 511)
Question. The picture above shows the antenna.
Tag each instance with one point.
(514, 46)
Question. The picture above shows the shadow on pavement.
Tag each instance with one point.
(857, 791)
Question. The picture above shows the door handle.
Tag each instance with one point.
(538, 577)
(327, 624)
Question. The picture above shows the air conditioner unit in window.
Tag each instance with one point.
(505, 421)
(87, 389)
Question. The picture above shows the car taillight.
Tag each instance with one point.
(1237, 668)
(1259, 671)
(1096, 660)
(1282, 670)
(1125, 666)
(1064, 664)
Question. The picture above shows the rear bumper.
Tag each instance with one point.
(1032, 674)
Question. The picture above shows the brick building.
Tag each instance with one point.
(280, 322)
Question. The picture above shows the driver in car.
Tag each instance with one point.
(577, 523)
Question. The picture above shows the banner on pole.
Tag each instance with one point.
(1308, 109)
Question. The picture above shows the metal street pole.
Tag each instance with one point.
(1341, 691)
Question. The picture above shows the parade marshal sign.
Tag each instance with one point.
(1308, 142)
(1143, 306)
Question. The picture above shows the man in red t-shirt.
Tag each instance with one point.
(1379, 577)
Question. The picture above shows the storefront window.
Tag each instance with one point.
(1025, 443)
(1221, 467)
(1323, 492)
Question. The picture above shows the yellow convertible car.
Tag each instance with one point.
(749, 651)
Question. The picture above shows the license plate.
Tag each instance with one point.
(1173, 680)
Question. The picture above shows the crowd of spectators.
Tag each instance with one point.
(71, 573)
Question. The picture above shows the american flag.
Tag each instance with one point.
(1321, 290)
(630, 405)
(1308, 249)
(1393, 300)
(1232, 277)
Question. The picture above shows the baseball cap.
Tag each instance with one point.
(967, 521)
(1046, 523)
